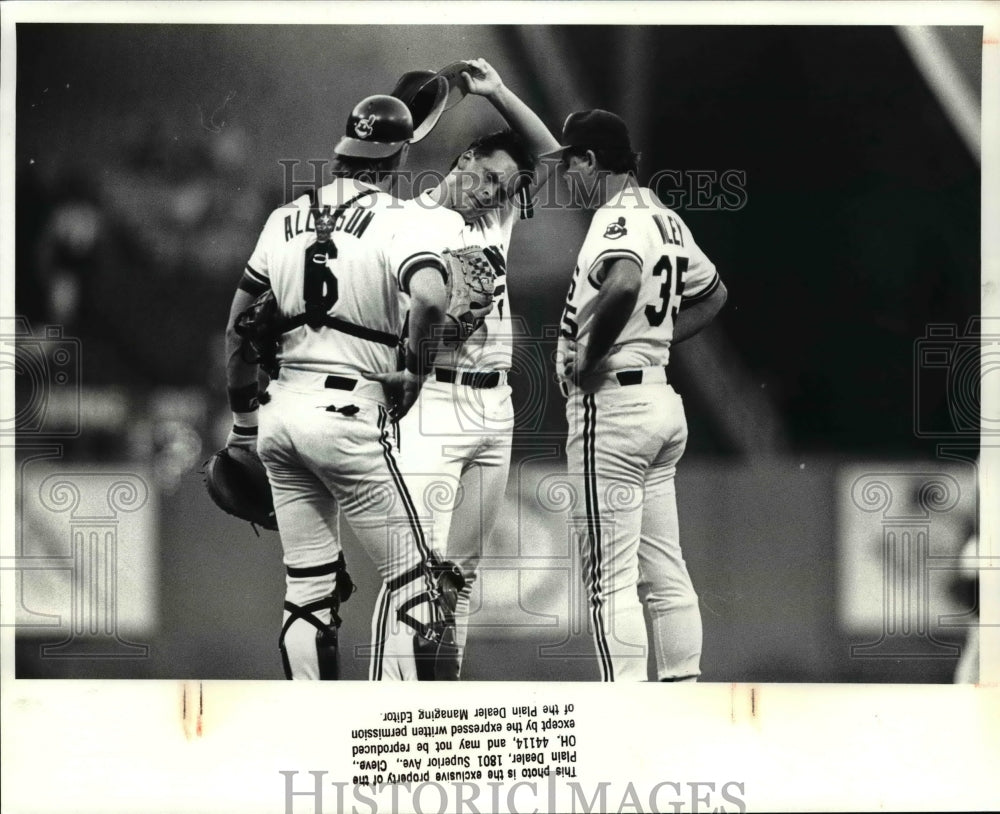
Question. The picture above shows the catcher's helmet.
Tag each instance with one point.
(377, 128)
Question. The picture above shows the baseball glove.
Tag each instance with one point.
(470, 288)
(237, 482)
(259, 328)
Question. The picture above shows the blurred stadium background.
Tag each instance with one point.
(147, 157)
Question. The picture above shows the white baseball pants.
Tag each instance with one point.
(623, 447)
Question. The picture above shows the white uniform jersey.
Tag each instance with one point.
(489, 348)
(360, 278)
(675, 273)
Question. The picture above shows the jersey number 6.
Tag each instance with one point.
(320, 286)
(656, 314)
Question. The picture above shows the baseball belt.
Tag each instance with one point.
(625, 378)
(646, 375)
(299, 379)
(477, 379)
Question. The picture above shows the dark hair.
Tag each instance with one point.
(365, 169)
(611, 160)
(508, 141)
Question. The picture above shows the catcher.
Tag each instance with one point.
(455, 443)
(319, 308)
(234, 476)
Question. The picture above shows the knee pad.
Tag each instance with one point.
(435, 648)
(327, 644)
(327, 648)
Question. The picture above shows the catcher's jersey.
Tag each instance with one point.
(675, 273)
(489, 348)
(364, 279)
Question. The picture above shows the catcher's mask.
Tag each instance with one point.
(378, 127)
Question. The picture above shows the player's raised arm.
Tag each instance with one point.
(614, 306)
(483, 80)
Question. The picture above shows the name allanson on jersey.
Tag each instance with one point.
(355, 223)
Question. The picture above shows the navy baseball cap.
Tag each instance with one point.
(425, 93)
(428, 94)
(594, 130)
(452, 74)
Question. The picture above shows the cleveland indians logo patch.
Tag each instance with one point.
(364, 126)
(616, 230)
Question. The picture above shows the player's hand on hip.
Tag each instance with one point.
(401, 390)
(481, 78)
(569, 366)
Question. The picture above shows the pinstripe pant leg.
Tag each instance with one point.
(607, 470)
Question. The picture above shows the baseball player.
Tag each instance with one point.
(641, 283)
(344, 264)
(455, 444)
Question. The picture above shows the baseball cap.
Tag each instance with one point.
(594, 130)
(377, 128)
(428, 94)
(452, 74)
(425, 93)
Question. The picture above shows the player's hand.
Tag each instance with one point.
(481, 78)
(475, 317)
(401, 389)
(569, 366)
(575, 367)
(572, 373)
(483, 312)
